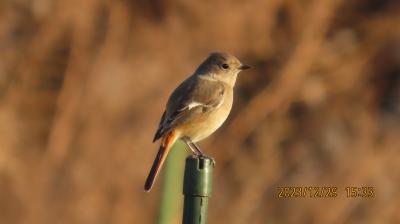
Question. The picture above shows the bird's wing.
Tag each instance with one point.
(158, 133)
(194, 95)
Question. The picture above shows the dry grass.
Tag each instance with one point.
(83, 83)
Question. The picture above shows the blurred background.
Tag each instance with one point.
(83, 85)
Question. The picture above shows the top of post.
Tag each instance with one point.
(198, 176)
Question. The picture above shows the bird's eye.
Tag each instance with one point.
(224, 66)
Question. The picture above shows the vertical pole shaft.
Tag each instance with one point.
(197, 185)
(170, 207)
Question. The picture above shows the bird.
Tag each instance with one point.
(197, 107)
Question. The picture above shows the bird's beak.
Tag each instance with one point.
(244, 67)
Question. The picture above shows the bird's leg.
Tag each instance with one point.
(196, 149)
(201, 153)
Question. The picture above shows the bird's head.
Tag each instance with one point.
(221, 66)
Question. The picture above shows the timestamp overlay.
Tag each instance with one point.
(325, 192)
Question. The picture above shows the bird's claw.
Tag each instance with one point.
(208, 157)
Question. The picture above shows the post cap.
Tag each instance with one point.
(198, 176)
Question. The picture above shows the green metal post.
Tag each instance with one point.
(171, 194)
(197, 185)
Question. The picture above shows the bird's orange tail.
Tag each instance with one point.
(166, 144)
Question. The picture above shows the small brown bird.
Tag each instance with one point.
(197, 107)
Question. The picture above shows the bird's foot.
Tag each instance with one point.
(207, 157)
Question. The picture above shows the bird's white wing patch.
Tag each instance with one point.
(194, 104)
(208, 77)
